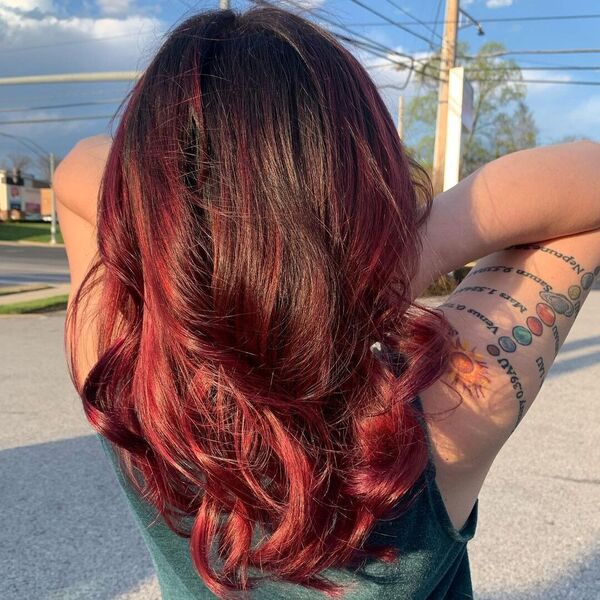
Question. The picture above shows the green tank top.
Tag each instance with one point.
(433, 563)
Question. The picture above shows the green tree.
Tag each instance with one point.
(502, 122)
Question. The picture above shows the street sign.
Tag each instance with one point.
(460, 118)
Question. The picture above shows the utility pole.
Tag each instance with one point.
(53, 202)
(400, 116)
(448, 59)
(224, 4)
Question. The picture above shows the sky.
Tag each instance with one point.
(71, 36)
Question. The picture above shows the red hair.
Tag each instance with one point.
(258, 229)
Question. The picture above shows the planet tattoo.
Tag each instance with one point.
(507, 344)
(574, 292)
(561, 304)
(522, 335)
(586, 280)
(535, 325)
(546, 314)
(493, 350)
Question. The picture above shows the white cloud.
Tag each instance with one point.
(310, 3)
(587, 113)
(114, 7)
(82, 43)
(498, 3)
(26, 5)
(549, 76)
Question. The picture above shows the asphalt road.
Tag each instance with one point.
(67, 533)
(22, 264)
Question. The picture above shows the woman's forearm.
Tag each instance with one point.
(526, 196)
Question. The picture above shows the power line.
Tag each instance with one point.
(405, 12)
(56, 120)
(54, 106)
(71, 42)
(557, 81)
(549, 68)
(386, 18)
(489, 20)
(564, 51)
(374, 48)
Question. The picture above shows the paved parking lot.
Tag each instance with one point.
(67, 533)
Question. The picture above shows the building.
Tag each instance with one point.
(22, 196)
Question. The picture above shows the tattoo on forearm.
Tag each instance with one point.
(468, 369)
(569, 260)
(493, 292)
(516, 384)
(522, 272)
(539, 361)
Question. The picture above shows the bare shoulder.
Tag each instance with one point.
(78, 176)
(76, 185)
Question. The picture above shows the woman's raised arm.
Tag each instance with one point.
(527, 196)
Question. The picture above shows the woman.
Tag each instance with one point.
(285, 419)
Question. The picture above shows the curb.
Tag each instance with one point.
(26, 243)
(27, 296)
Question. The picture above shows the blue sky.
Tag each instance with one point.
(60, 36)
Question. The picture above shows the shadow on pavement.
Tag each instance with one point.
(67, 531)
(567, 365)
(581, 581)
(577, 344)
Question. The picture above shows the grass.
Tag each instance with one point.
(35, 306)
(441, 287)
(28, 231)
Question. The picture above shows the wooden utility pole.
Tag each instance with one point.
(448, 59)
(400, 116)
(53, 202)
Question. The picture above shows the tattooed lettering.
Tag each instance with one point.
(539, 361)
(564, 257)
(477, 288)
(516, 384)
(547, 287)
(492, 291)
(514, 302)
(488, 322)
(496, 269)
(454, 306)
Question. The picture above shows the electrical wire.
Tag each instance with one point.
(405, 12)
(490, 20)
(71, 42)
(552, 81)
(55, 106)
(386, 18)
(563, 51)
(374, 48)
(56, 120)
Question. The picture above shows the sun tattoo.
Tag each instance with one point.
(467, 369)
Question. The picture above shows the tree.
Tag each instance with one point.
(18, 161)
(502, 122)
(43, 165)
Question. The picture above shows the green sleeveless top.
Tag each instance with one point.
(433, 560)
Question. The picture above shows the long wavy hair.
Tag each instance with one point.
(258, 230)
